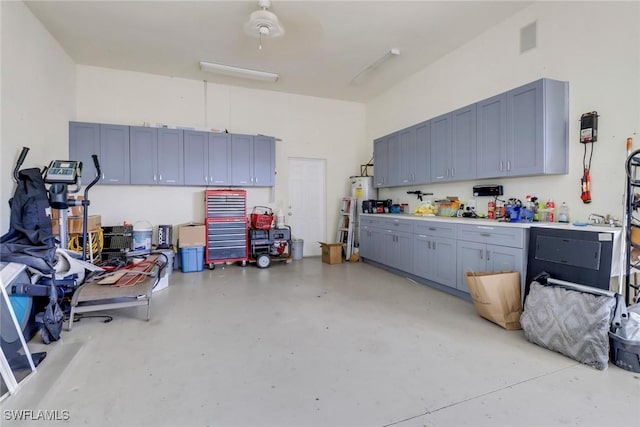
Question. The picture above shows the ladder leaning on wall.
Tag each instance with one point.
(346, 222)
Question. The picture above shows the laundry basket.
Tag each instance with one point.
(261, 221)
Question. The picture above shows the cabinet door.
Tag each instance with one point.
(443, 256)
(394, 154)
(196, 157)
(219, 159)
(84, 141)
(525, 130)
(502, 258)
(440, 146)
(471, 258)
(378, 243)
(422, 258)
(463, 143)
(380, 162)
(492, 137)
(170, 157)
(114, 154)
(241, 160)
(366, 242)
(143, 152)
(264, 163)
(422, 168)
(407, 171)
(399, 251)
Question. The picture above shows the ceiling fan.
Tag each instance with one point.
(263, 23)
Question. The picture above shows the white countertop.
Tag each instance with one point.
(493, 222)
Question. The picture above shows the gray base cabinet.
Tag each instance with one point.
(488, 248)
(434, 252)
(442, 251)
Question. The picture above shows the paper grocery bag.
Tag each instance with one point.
(496, 296)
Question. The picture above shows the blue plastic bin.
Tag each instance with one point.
(192, 259)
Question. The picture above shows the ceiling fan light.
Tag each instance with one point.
(263, 18)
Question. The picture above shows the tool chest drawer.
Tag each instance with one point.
(495, 235)
(432, 228)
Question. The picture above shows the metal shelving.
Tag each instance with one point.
(632, 227)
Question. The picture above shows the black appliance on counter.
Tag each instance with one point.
(582, 257)
(376, 206)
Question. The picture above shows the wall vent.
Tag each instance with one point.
(528, 37)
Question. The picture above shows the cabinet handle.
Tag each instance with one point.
(481, 251)
(429, 244)
(508, 165)
(160, 177)
(154, 177)
(255, 180)
(501, 166)
(453, 172)
(488, 255)
(102, 175)
(434, 246)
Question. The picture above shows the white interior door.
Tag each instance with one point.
(307, 201)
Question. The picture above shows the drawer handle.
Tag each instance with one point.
(485, 234)
(422, 235)
(432, 229)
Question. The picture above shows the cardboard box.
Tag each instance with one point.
(192, 235)
(74, 224)
(331, 252)
(71, 210)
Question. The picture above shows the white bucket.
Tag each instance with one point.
(142, 236)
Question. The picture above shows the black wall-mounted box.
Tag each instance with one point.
(487, 190)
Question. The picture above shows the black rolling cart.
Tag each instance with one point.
(269, 245)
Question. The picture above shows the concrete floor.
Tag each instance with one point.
(312, 344)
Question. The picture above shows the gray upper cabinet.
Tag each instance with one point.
(241, 160)
(440, 146)
(84, 141)
(157, 156)
(109, 142)
(387, 161)
(219, 159)
(537, 128)
(463, 143)
(380, 162)
(114, 154)
(264, 161)
(524, 131)
(163, 156)
(492, 160)
(252, 160)
(453, 145)
(422, 164)
(143, 149)
(170, 157)
(196, 157)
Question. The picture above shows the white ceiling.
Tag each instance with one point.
(326, 44)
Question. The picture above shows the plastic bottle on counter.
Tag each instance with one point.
(563, 213)
(491, 209)
(551, 207)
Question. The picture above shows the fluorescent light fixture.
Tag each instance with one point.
(378, 62)
(243, 73)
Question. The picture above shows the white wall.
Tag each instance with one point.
(38, 97)
(595, 46)
(308, 127)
